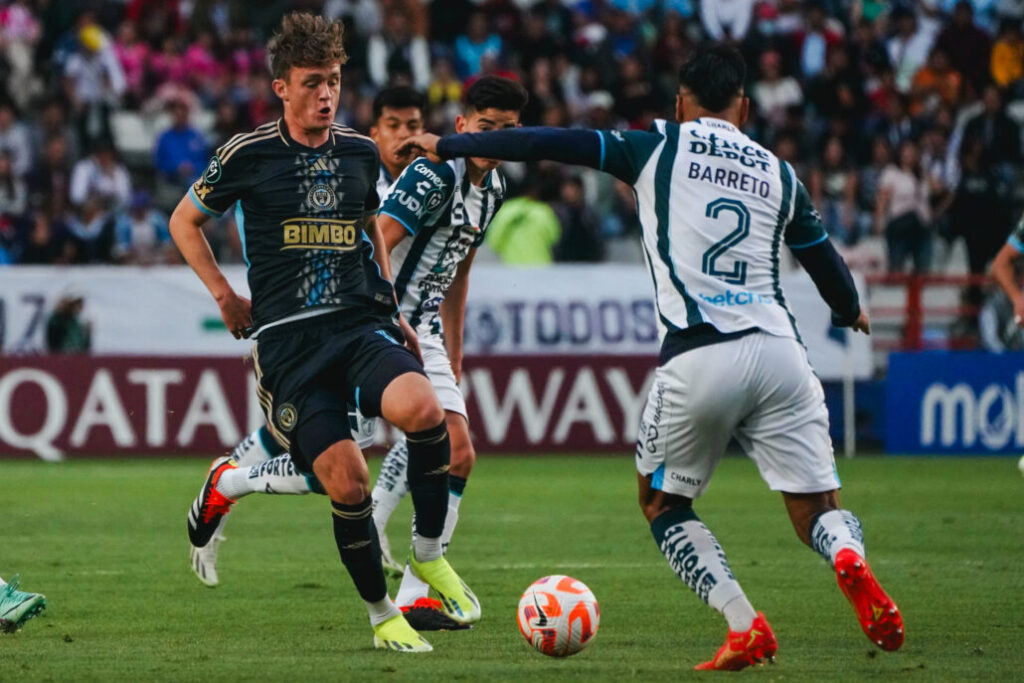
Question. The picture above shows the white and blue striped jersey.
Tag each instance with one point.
(715, 208)
(446, 216)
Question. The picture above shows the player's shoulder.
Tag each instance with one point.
(444, 175)
(348, 139)
(243, 143)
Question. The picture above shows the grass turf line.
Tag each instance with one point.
(106, 543)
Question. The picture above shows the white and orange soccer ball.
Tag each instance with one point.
(558, 615)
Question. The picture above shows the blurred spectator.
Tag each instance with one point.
(133, 55)
(774, 93)
(581, 239)
(14, 140)
(1007, 64)
(395, 54)
(168, 64)
(936, 84)
(908, 47)
(870, 181)
(727, 19)
(66, 332)
(19, 33)
(52, 122)
(227, 121)
(445, 91)
(977, 209)
(99, 180)
(47, 242)
(13, 193)
(816, 40)
(999, 134)
(526, 229)
(181, 153)
(50, 182)
(902, 212)
(206, 72)
(833, 188)
(474, 45)
(94, 84)
(967, 45)
(141, 233)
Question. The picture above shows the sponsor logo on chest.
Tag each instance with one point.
(319, 233)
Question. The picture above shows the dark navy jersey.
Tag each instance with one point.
(300, 213)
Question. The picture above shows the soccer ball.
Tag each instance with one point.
(558, 615)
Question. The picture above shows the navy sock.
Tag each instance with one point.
(456, 484)
(429, 455)
(359, 547)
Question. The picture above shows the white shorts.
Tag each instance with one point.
(759, 389)
(439, 371)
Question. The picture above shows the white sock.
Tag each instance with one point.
(392, 485)
(696, 557)
(381, 611)
(835, 530)
(426, 549)
(450, 520)
(253, 448)
(412, 588)
(277, 475)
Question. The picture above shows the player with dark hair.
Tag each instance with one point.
(432, 221)
(715, 208)
(1003, 271)
(261, 463)
(324, 316)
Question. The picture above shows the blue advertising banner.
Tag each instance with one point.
(955, 402)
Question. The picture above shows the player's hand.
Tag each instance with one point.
(862, 324)
(1018, 311)
(236, 312)
(425, 143)
(412, 342)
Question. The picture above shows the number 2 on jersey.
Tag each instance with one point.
(738, 274)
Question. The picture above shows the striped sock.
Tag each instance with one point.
(696, 557)
(834, 530)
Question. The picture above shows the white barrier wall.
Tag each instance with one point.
(558, 311)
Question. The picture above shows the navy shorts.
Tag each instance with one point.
(308, 372)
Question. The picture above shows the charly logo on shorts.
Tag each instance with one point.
(287, 417)
(213, 171)
(321, 197)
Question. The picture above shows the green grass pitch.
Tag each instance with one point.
(105, 541)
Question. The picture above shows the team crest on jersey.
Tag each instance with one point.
(213, 171)
(321, 197)
(433, 200)
(287, 417)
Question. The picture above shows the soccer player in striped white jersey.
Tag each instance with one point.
(432, 220)
(715, 208)
(262, 465)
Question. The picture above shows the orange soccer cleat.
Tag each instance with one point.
(878, 615)
(745, 648)
(427, 614)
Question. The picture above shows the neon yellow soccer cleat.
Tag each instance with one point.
(396, 634)
(458, 600)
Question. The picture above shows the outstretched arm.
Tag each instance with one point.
(621, 154)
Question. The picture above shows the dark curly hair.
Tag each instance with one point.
(306, 40)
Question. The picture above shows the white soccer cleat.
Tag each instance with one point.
(204, 561)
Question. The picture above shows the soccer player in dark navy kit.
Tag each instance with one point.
(324, 315)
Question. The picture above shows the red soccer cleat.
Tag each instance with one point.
(878, 615)
(427, 614)
(209, 506)
(741, 650)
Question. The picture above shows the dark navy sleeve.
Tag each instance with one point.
(221, 184)
(420, 194)
(833, 280)
(625, 153)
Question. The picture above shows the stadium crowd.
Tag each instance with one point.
(901, 118)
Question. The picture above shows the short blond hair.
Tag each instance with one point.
(306, 40)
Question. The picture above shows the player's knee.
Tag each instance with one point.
(343, 473)
(462, 459)
(422, 415)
